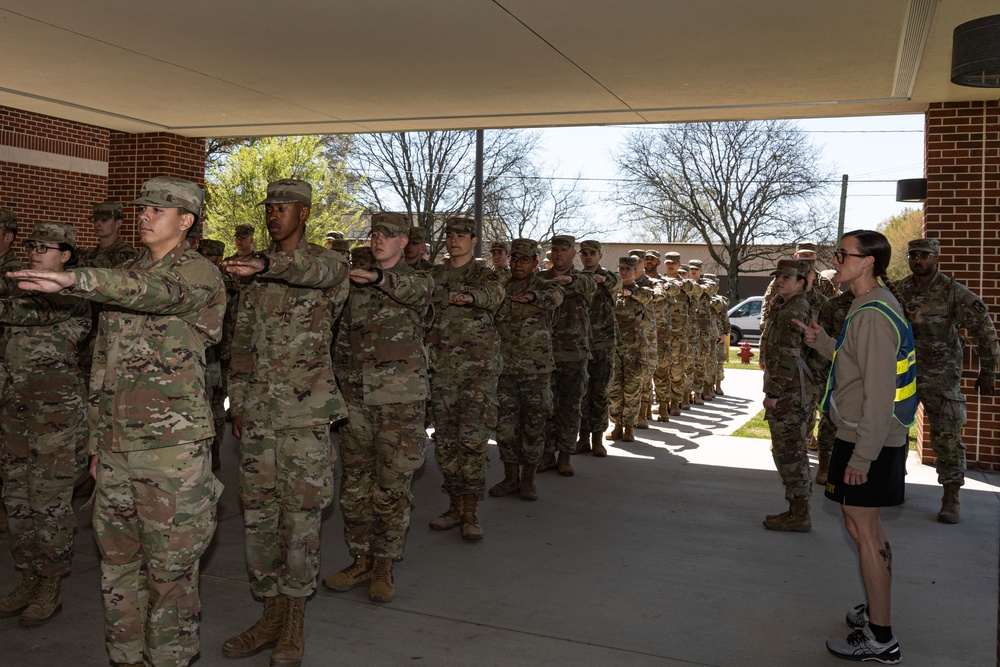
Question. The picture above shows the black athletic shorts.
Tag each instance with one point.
(886, 477)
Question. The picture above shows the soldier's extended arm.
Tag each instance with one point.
(489, 293)
(42, 310)
(642, 294)
(547, 295)
(612, 282)
(240, 364)
(409, 289)
(156, 290)
(975, 318)
(303, 268)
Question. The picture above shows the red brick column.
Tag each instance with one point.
(962, 163)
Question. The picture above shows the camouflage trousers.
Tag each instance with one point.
(39, 462)
(649, 365)
(381, 446)
(464, 410)
(661, 376)
(525, 405)
(217, 399)
(946, 417)
(699, 377)
(690, 370)
(788, 423)
(679, 382)
(720, 361)
(154, 517)
(569, 382)
(626, 385)
(594, 413)
(286, 480)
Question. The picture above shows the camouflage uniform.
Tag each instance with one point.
(695, 293)
(8, 262)
(720, 306)
(154, 515)
(116, 254)
(677, 337)
(603, 336)
(653, 310)
(283, 388)
(701, 336)
(627, 375)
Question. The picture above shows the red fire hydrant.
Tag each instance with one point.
(745, 353)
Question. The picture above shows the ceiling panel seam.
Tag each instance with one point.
(919, 15)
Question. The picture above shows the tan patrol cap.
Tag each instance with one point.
(417, 234)
(590, 244)
(524, 247)
(460, 225)
(106, 209)
(8, 220)
(933, 246)
(500, 245)
(630, 261)
(791, 267)
(170, 192)
(54, 232)
(390, 224)
(563, 241)
(242, 231)
(289, 191)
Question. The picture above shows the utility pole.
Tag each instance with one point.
(478, 252)
(843, 208)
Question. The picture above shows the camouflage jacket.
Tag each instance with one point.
(661, 305)
(380, 343)
(526, 328)
(653, 307)
(630, 312)
(147, 384)
(701, 313)
(281, 371)
(114, 255)
(821, 290)
(603, 325)
(677, 306)
(571, 331)
(720, 306)
(463, 339)
(8, 262)
(938, 311)
(504, 273)
(783, 350)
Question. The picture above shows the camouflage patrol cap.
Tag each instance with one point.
(334, 235)
(791, 267)
(637, 252)
(8, 220)
(170, 192)
(563, 241)
(460, 225)
(242, 231)
(710, 276)
(54, 232)
(500, 245)
(417, 234)
(289, 191)
(694, 263)
(653, 253)
(590, 244)
(106, 209)
(362, 252)
(340, 245)
(672, 257)
(630, 261)
(805, 246)
(933, 246)
(524, 247)
(683, 268)
(212, 248)
(390, 224)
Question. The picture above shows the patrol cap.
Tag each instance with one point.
(342, 245)
(683, 268)
(500, 245)
(791, 267)
(630, 261)
(289, 191)
(933, 246)
(54, 232)
(460, 225)
(563, 241)
(417, 234)
(8, 220)
(243, 231)
(805, 246)
(524, 247)
(106, 209)
(653, 253)
(694, 263)
(590, 244)
(362, 252)
(212, 247)
(196, 229)
(170, 192)
(390, 224)
(672, 257)
(334, 235)
(710, 276)
(637, 252)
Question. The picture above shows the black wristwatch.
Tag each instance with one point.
(267, 261)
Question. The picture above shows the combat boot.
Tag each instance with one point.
(583, 444)
(19, 598)
(662, 412)
(718, 388)
(675, 409)
(696, 399)
(471, 530)
(548, 462)
(641, 421)
(528, 490)
(811, 443)
(598, 446)
(509, 483)
(3, 518)
(708, 394)
(949, 504)
(262, 634)
(46, 604)
(823, 469)
(451, 517)
(686, 401)
(649, 410)
(795, 520)
(383, 588)
(565, 467)
(292, 642)
(356, 573)
(616, 433)
(628, 435)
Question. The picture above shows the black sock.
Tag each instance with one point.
(883, 633)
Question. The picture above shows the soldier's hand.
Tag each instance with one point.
(244, 267)
(854, 477)
(600, 279)
(237, 427)
(363, 276)
(92, 468)
(985, 385)
(811, 330)
(460, 299)
(624, 292)
(770, 403)
(525, 297)
(43, 280)
(562, 280)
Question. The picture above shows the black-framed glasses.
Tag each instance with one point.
(842, 255)
(521, 259)
(918, 254)
(31, 247)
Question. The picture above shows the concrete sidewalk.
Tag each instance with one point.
(654, 555)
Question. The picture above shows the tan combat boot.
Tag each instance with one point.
(795, 520)
(662, 412)
(696, 398)
(509, 483)
(528, 490)
(629, 434)
(649, 410)
(718, 388)
(383, 588)
(262, 634)
(451, 517)
(616, 432)
(823, 469)
(641, 421)
(292, 642)
(675, 409)
(686, 401)
(548, 462)
(19, 598)
(583, 444)
(46, 604)
(356, 573)
(597, 445)
(565, 467)
(949, 504)
(471, 530)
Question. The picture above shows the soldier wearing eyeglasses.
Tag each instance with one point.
(941, 306)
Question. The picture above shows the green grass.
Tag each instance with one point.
(735, 364)
(757, 428)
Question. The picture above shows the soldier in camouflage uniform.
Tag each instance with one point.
(43, 417)
(571, 349)
(649, 324)
(524, 394)
(243, 235)
(603, 335)
(719, 305)
(339, 244)
(818, 286)
(677, 335)
(8, 262)
(381, 340)
(415, 249)
(664, 356)
(151, 427)
(361, 257)
(217, 356)
(500, 258)
(465, 364)
(284, 395)
(938, 307)
(789, 394)
(630, 350)
(700, 322)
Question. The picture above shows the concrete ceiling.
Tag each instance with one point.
(254, 67)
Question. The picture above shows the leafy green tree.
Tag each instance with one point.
(236, 183)
(900, 230)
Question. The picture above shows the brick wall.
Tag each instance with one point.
(962, 164)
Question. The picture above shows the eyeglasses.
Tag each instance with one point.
(842, 255)
(918, 254)
(30, 247)
(521, 259)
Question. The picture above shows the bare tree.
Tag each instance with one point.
(739, 185)
(529, 205)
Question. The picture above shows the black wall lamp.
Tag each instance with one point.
(975, 53)
(911, 189)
